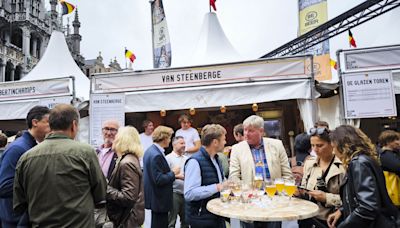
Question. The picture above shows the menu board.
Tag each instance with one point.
(105, 107)
(369, 95)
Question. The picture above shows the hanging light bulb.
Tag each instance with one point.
(335, 91)
(222, 109)
(163, 113)
(192, 111)
(254, 107)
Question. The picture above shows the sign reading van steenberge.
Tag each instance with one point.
(260, 70)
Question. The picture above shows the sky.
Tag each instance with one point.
(254, 27)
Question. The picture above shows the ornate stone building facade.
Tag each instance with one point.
(25, 29)
(93, 66)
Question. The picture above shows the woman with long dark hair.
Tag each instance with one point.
(363, 193)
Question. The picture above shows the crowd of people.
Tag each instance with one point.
(47, 179)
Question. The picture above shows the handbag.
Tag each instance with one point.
(393, 187)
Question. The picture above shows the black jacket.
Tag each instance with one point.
(364, 194)
(390, 161)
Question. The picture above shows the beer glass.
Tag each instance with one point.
(270, 188)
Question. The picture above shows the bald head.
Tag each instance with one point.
(109, 130)
(115, 123)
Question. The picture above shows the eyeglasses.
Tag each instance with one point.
(111, 130)
(318, 131)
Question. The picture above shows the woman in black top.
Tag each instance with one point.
(363, 193)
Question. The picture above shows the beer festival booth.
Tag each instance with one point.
(370, 86)
(55, 79)
(281, 90)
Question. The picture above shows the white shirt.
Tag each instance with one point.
(190, 135)
(146, 141)
(175, 160)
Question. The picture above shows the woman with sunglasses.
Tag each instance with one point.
(322, 178)
(365, 199)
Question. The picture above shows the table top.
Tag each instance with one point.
(279, 210)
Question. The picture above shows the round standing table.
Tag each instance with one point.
(279, 211)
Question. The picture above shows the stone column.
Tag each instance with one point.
(12, 71)
(43, 46)
(7, 37)
(2, 71)
(26, 37)
(34, 48)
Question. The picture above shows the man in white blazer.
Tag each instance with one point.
(267, 154)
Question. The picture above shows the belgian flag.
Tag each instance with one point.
(352, 41)
(130, 55)
(212, 4)
(67, 8)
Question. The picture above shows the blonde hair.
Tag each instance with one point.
(161, 133)
(350, 142)
(127, 140)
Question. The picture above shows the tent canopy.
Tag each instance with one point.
(57, 62)
(213, 46)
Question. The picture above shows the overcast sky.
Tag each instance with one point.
(254, 27)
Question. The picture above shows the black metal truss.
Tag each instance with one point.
(349, 19)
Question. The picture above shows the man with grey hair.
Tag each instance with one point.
(258, 156)
(105, 153)
(177, 159)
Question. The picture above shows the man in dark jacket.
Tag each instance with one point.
(203, 179)
(38, 126)
(158, 178)
(60, 180)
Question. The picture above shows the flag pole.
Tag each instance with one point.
(209, 6)
(126, 65)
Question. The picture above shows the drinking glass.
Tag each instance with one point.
(247, 192)
(280, 185)
(237, 190)
(258, 188)
(270, 188)
(290, 187)
(258, 181)
(225, 193)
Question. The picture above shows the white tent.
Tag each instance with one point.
(46, 84)
(213, 46)
(57, 62)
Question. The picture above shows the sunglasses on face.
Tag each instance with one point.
(318, 131)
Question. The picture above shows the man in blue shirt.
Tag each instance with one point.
(203, 179)
(38, 126)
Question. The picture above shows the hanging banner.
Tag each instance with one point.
(11, 91)
(369, 95)
(105, 107)
(313, 13)
(161, 44)
(373, 58)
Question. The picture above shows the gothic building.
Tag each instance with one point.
(25, 29)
